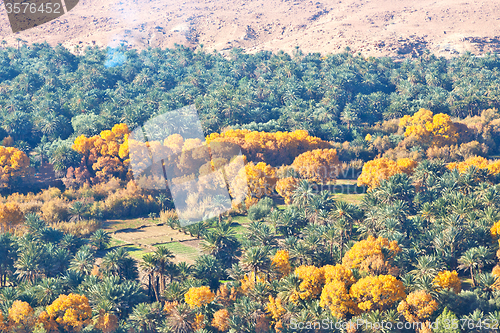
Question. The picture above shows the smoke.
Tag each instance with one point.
(114, 58)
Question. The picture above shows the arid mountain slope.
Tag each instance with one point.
(398, 28)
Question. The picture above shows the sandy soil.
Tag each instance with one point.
(398, 28)
(151, 235)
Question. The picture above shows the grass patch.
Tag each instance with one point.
(350, 198)
(182, 250)
(136, 251)
(240, 231)
(115, 242)
(241, 219)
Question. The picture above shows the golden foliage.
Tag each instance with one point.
(199, 321)
(285, 188)
(383, 168)
(221, 320)
(368, 255)
(249, 280)
(338, 273)
(275, 308)
(55, 209)
(261, 179)
(319, 165)
(106, 322)
(418, 306)
(447, 279)
(335, 296)
(493, 167)
(278, 148)
(199, 296)
(431, 130)
(70, 312)
(495, 230)
(377, 292)
(104, 156)
(10, 216)
(21, 316)
(281, 262)
(312, 281)
(13, 163)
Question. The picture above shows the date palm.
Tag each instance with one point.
(83, 261)
(256, 259)
(469, 261)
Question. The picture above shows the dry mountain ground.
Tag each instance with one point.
(398, 28)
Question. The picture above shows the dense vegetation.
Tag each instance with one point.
(49, 93)
(417, 248)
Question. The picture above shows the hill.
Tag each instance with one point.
(397, 28)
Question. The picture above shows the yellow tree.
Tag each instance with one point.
(429, 129)
(447, 279)
(10, 216)
(261, 179)
(281, 262)
(312, 281)
(382, 168)
(418, 306)
(69, 313)
(372, 255)
(104, 155)
(335, 296)
(13, 163)
(21, 317)
(377, 292)
(106, 322)
(285, 188)
(221, 320)
(199, 296)
(319, 165)
(338, 273)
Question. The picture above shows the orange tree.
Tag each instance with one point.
(372, 255)
(429, 129)
(276, 149)
(103, 156)
(377, 292)
(69, 313)
(319, 165)
(10, 216)
(13, 164)
(382, 168)
(418, 306)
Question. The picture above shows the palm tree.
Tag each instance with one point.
(208, 268)
(8, 255)
(181, 319)
(47, 291)
(163, 258)
(221, 242)
(427, 265)
(146, 318)
(185, 270)
(149, 267)
(256, 258)
(30, 262)
(303, 194)
(77, 210)
(469, 261)
(289, 288)
(83, 261)
(100, 239)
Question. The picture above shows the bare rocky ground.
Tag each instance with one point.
(397, 28)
